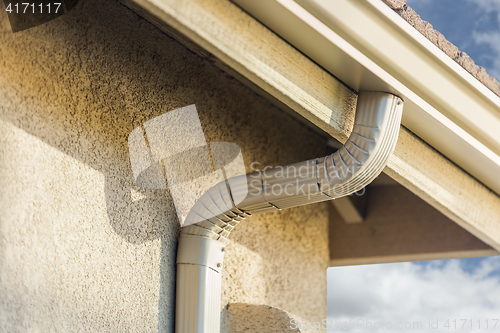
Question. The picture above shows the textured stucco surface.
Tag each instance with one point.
(279, 262)
(81, 247)
(426, 29)
(263, 318)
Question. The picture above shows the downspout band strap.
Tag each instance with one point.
(199, 250)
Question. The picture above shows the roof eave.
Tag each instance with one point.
(369, 47)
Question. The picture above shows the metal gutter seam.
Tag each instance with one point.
(350, 169)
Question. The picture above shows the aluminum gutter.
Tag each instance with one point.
(369, 47)
(224, 34)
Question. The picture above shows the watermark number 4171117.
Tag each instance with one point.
(25, 14)
(32, 8)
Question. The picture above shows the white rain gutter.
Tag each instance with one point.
(369, 47)
(201, 245)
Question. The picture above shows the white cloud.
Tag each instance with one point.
(493, 40)
(487, 5)
(409, 293)
(492, 37)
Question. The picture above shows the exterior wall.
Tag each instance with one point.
(81, 247)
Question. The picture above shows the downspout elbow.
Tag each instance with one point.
(201, 245)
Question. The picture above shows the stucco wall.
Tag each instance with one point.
(81, 247)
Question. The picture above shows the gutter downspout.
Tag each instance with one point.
(201, 245)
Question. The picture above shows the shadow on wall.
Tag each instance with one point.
(251, 318)
(82, 82)
(82, 93)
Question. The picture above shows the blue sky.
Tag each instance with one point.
(430, 291)
(424, 292)
(472, 25)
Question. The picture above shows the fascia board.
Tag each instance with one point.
(369, 47)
